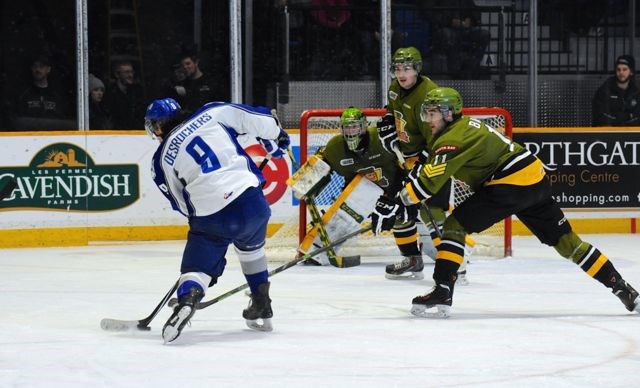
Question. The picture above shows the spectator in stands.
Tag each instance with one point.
(464, 46)
(617, 101)
(195, 88)
(99, 114)
(40, 105)
(125, 98)
(330, 31)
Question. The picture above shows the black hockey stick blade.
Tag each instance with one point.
(345, 261)
(8, 188)
(283, 267)
(110, 324)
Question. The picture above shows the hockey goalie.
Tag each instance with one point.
(372, 174)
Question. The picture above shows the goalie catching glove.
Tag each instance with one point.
(387, 133)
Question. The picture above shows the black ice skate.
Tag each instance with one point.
(259, 309)
(182, 313)
(627, 294)
(409, 268)
(440, 297)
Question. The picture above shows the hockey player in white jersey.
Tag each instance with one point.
(208, 177)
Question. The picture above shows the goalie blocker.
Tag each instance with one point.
(344, 216)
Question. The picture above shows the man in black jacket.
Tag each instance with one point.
(617, 101)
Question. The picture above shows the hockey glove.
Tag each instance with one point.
(384, 214)
(387, 133)
(407, 213)
(272, 148)
(283, 140)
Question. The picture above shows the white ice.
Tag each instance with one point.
(534, 320)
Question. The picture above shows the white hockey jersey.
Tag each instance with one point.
(200, 166)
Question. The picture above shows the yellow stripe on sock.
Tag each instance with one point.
(406, 240)
(446, 255)
(602, 259)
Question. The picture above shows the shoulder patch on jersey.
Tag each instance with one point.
(446, 148)
(393, 95)
(346, 162)
(430, 170)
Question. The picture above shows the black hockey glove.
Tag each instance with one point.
(407, 213)
(384, 215)
(387, 133)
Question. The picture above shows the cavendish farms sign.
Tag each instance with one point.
(63, 176)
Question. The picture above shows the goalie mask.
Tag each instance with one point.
(158, 112)
(354, 127)
(445, 100)
(406, 58)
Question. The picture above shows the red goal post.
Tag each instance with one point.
(498, 118)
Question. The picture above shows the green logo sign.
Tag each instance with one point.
(63, 176)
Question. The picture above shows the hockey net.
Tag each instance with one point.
(317, 126)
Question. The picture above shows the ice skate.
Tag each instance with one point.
(627, 294)
(259, 309)
(182, 313)
(440, 297)
(409, 268)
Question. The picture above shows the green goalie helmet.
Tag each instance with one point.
(354, 127)
(407, 55)
(445, 99)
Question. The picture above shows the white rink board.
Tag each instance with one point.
(111, 148)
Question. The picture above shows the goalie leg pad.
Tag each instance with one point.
(344, 216)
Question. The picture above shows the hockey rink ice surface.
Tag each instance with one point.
(534, 320)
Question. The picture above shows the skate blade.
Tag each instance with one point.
(637, 307)
(171, 329)
(462, 280)
(420, 310)
(405, 276)
(254, 324)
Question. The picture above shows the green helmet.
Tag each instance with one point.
(407, 55)
(354, 127)
(445, 99)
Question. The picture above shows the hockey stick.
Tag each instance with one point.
(316, 218)
(283, 267)
(109, 324)
(8, 188)
(143, 324)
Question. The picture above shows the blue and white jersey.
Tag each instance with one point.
(200, 166)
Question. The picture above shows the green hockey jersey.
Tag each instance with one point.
(374, 162)
(405, 106)
(476, 154)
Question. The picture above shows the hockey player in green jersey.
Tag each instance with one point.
(507, 179)
(400, 130)
(357, 151)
